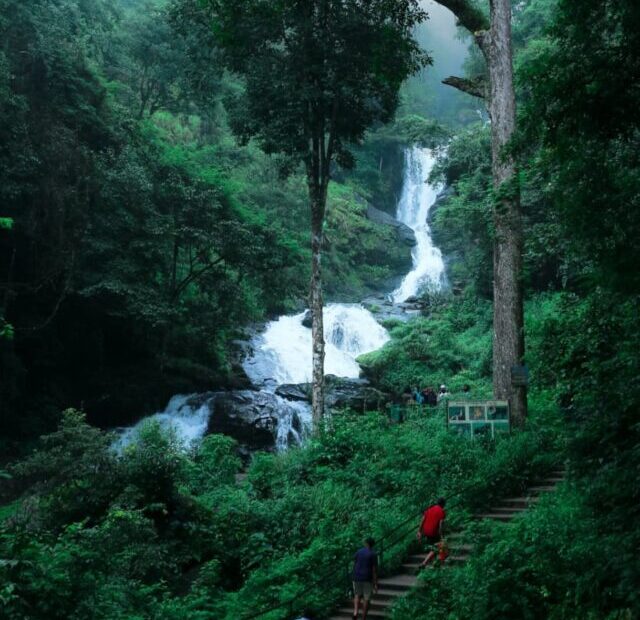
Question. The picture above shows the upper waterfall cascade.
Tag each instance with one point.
(418, 196)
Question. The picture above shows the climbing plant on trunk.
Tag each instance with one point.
(317, 74)
(493, 37)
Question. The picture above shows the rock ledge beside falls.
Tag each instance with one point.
(254, 417)
(340, 393)
(404, 233)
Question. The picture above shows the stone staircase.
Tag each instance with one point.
(391, 588)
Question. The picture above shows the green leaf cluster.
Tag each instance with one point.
(157, 532)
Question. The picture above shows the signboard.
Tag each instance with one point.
(479, 417)
(519, 376)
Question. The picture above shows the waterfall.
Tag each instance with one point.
(188, 416)
(293, 423)
(283, 351)
(188, 422)
(417, 198)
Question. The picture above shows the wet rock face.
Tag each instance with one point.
(354, 394)
(340, 393)
(295, 391)
(307, 321)
(250, 417)
(385, 310)
(403, 232)
(257, 419)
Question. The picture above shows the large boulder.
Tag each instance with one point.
(256, 419)
(386, 310)
(248, 416)
(340, 393)
(295, 391)
(356, 394)
(403, 232)
(307, 319)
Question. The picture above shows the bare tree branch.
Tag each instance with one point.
(475, 88)
(61, 298)
(195, 275)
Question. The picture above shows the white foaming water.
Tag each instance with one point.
(187, 422)
(417, 198)
(294, 423)
(284, 351)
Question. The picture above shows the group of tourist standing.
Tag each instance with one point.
(430, 396)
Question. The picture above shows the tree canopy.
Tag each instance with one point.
(322, 66)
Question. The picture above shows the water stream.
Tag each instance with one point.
(282, 352)
(418, 196)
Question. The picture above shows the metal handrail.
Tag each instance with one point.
(381, 541)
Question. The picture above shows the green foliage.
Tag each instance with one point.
(353, 240)
(414, 129)
(574, 556)
(143, 236)
(580, 133)
(312, 69)
(462, 222)
(6, 329)
(215, 463)
(72, 473)
(451, 345)
(171, 534)
(553, 562)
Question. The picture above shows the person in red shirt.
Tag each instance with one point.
(431, 529)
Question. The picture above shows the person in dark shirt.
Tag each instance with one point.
(365, 577)
(431, 529)
(431, 398)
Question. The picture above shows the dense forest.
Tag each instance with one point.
(149, 226)
(144, 236)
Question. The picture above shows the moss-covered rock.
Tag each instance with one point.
(362, 256)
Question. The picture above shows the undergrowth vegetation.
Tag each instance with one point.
(160, 533)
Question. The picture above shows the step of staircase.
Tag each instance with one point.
(397, 582)
(391, 588)
(521, 500)
(384, 594)
(377, 604)
(510, 509)
(497, 516)
(347, 612)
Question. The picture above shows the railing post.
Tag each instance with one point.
(348, 579)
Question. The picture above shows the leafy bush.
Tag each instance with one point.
(450, 345)
(169, 532)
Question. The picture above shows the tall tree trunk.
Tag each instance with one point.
(494, 40)
(316, 304)
(508, 317)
